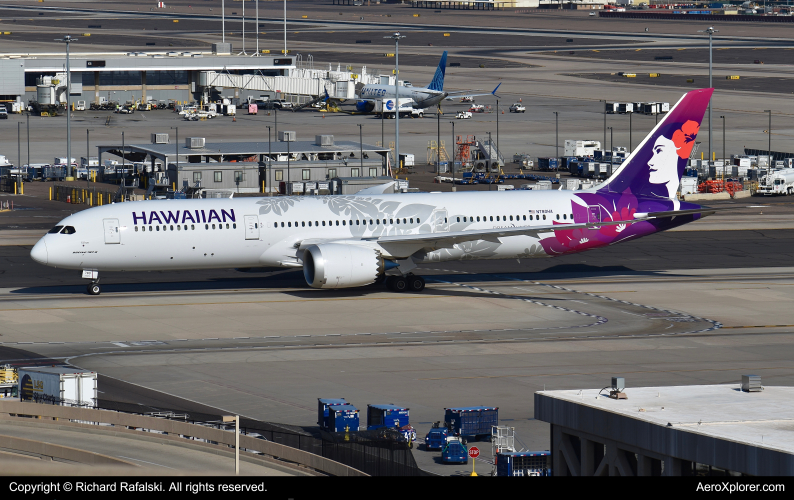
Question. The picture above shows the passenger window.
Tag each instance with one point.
(323, 223)
(337, 223)
(391, 221)
(317, 223)
(544, 217)
(213, 226)
(344, 222)
(178, 228)
(192, 227)
(158, 227)
(398, 221)
(370, 222)
(310, 223)
(571, 216)
(234, 226)
(206, 226)
(55, 230)
(458, 219)
(497, 218)
(227, 226)
(303, 223)
(412, 220)
(564, 216)
(289, 224)
(172, 228)
(377, 221)
(282, 224)
(511, 217)
(492, 218)
(478, 218)
(358, 223)
(136, 229)
(404, 222)
(464, 218)
(558, 216)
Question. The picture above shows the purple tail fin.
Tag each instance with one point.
(655, 167)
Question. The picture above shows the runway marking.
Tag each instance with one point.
(760, 326)
(409, 297)
(684, 316)
(144, 461)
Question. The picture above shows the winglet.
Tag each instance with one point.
(497, 88)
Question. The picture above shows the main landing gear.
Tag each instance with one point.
(409, 283)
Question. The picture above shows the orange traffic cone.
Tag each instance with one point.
(323, 115)
(234, 118)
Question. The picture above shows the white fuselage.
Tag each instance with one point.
(249, 232)
(422, 96)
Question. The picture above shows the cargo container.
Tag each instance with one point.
(342, 418)
(548, 163)
(322, 409)
(523, 463)
(471, 421)
(386, 416)
(689, 185)
(58, 385)
(570, 184)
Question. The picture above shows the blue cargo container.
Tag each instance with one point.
(548, 163)
(475, 421)
(386, 416)
(342, 418)
(523, 463)
(322, 409)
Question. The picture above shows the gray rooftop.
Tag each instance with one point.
(763, 419)
(121, 62)
(247, 148)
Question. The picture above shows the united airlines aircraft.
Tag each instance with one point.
(353, 241)
(422, 97)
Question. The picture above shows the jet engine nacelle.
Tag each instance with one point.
(333, 265)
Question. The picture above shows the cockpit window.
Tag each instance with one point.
(68, 230)
(55, 230)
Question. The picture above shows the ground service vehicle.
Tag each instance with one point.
(436, 437)
(463, 115)
(3, 114)
(454, 451)
(517, 108)
(471, 421)
(780, 182)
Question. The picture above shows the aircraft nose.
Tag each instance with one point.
(39, 252)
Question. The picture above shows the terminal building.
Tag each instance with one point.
(176, 76)
(722, 430)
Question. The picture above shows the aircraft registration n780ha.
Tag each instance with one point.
(347, 241)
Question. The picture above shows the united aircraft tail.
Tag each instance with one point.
(437, 83)
(655, 167)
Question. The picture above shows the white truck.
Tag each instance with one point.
(581, 148)
(385, 107)
(58, 385)
(518, 108)
(463, 115)
(79, 106)
(779, 182)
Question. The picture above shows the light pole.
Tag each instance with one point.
(176, 143)
(27, 116)
(557, 134)
(630, 114)
(711, 32)
(361, 148)
(285, 27)
(69, 173)
(605, 120)
(769, 150)
(396, 37)
(87, 156)
(223, 21)
(438, 140)
(452, 158)
(497, 135)
(236, 420)
(723, 141)
(611, 152)
(269, 165)
(257, 28)
(275, 119)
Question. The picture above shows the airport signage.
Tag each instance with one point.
(474, 452)
(95, 64)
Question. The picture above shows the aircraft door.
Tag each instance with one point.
(594, 213)
(251, 227)
(440, 221)
(112, 234)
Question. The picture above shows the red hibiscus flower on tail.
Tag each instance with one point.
(684, 138)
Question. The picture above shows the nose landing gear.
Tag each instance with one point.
(93, 288)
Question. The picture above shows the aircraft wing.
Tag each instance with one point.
(448, 239)
(468, 93)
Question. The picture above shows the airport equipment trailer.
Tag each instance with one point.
(322, 409)
(471, 421)
(58, 385)
(780, 182)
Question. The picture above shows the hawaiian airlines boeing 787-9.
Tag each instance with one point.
(351, 241)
